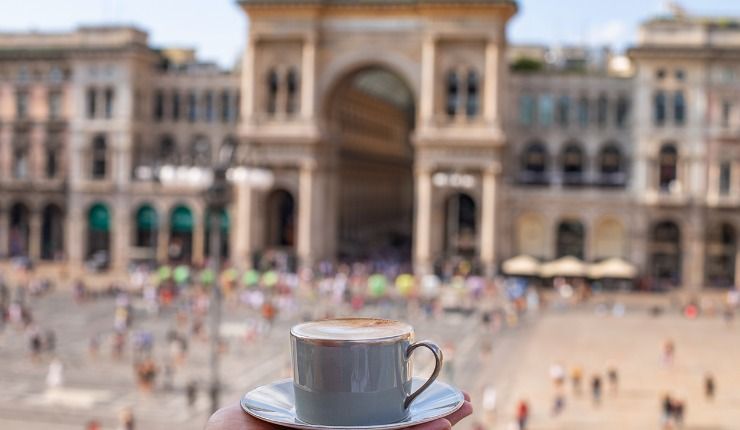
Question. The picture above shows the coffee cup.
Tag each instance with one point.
(355, 371)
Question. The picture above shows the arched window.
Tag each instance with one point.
(659, 108)
(147, 224)
(200, 151)
(668, 167)
(192, 107)
(573, 164)
(91, 99)
(180, 248)
(209, 112)
(562, 112)
(176, 106)
(622, 113)
(534, 164)
(227, 152)
(158, 105)
(52, 233)
(51, 165)
(20, 160)
(272, 91)
(226, 106)
(721, 249)
(291, 84)
(602, 108)
(473, 96)
(280, 219)
(108, 98)
(18, 234)
(98, 235)
(679, 108)
(452, 93)
(99, 165)
(611, 166)
(167, 151)
(570, 239)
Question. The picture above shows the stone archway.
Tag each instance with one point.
(369, 116)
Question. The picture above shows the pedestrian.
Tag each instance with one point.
(667, 411)
(596, 389)
(576, 376)
(557, 374)
(126, 419)
(669, 352)
(558, 403)
(191, 392)
(35, 343)
(678, 413)
(93, 425)
(55, 376)
(709, 386)
(522, 414)
(613, 376)
(489, 403)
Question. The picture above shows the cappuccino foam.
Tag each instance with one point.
(354, 329)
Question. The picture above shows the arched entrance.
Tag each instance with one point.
(721, 252)
(147, 228)
(52, 233)
(460, 225)
(180, 248)
(280, 219)
(98, 236)
(19, 230)
(370, 115)
(665, 252)
(570, 239)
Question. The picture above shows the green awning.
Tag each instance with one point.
(99, 218)
(224, 220)
(146, 218)
(182, 220)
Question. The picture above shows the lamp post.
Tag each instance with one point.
(217, 197)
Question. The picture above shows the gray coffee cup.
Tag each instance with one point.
(355, 371)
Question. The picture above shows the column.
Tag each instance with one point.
(4, 228)
(199, 237)
(308, 77)
(76, 237)
(692, 276)
(163, 239)
(248, 92)
(242, 239)
(491, 82)
(488, 221)
(426, 110)
(423, 233)
(34, 235)
(120, 235)
(305, 245)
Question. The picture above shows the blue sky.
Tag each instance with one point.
(217, 27)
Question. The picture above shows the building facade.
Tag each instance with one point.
(405, 130)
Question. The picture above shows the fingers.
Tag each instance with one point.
(467, 396)
(465, 410)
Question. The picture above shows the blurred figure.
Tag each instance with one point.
(557, 374)
(522, 414)
(667, 412)
(55, 377)
(93, 425)
(576, 377)
(709, 386)
(126, 420)
(669, 352)
(191, 393)
(613, 376)
(489, 404)
(596, 389)
(558, 403)
(678, 413)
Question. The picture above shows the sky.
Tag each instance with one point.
(217, 28)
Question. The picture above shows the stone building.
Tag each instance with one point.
(406, 130)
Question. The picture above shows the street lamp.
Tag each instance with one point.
(217, 197)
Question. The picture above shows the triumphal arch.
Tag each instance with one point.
(380, 124)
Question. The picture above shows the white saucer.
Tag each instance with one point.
(275, 404)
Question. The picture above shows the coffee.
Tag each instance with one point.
(352, 329)
(355, 371)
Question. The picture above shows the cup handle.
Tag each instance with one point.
(438, 359)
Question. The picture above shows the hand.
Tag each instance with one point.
(234, 418)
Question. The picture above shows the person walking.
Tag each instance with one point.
(576, 376)
(678, 413)
(522, 414)
(669, 352)
(667, 412)
(613, 376)
(709, 386)
(596, 389)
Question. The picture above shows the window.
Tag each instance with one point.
(573, 164)
(55, 104)
(622, 112)
(526, 109)
(99, 158)
(291, 84)
(602, 107)
(175, 106)
(679, 108)
(91, 102)
(667, 165)
(24, 76)
(20, 162)
(546, 110)
(158, 105)
(563, 111)
(726, 113)
(610, 160)
(725, 177)
(472, 102)
(272, 92)
(452, 94)
(534, 164)
(680, 75)
(166, 152)
(209, 113)
(56, 76)
(225, 106)
(109, 102)
(192, 107)
(660, 74)
(21, 104)
(659, 113)
(583, 116)
(200, 151)
(51, 167)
